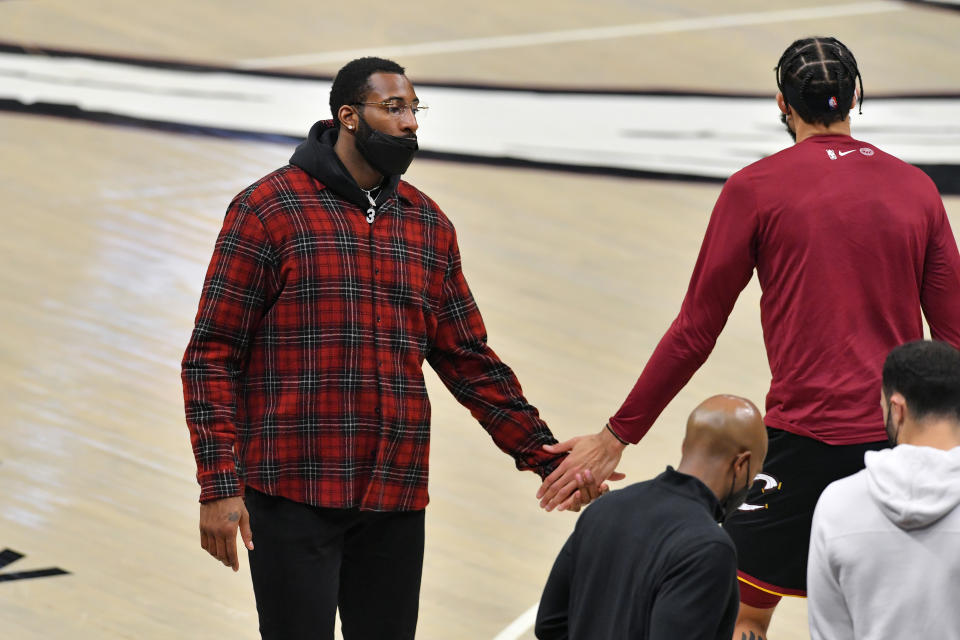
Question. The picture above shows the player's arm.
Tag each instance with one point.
(697, 599)
(479, 380)
(724, 267)
(553, 615)
(827, 609)
(238, 283)
(939, 295)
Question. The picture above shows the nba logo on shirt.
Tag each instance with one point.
(831, 154)
(833, 103)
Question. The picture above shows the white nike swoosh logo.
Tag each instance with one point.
(843, 153)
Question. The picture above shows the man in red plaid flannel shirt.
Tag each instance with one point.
(331, 282)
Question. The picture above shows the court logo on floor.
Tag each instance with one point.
(9, 556)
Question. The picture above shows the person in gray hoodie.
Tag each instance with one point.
(885, 546)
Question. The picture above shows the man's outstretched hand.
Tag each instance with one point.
(594, 457)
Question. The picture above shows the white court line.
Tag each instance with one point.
(575, 35)
(519, 626)
(702, 136)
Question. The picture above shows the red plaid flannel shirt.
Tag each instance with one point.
(303, 377)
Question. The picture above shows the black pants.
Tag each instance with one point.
(308, 560)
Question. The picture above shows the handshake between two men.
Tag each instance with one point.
(582, 475)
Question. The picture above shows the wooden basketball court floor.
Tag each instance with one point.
(107, 231)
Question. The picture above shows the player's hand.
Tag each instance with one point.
(219, 521)
(587, 491)
(599, 454)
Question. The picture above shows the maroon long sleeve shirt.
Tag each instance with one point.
(850, 245)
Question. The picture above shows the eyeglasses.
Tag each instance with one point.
(398, 109)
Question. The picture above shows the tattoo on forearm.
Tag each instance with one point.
(744, 636)
(235, 517)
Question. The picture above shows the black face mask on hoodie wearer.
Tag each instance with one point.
(389, 155)
(316, 156)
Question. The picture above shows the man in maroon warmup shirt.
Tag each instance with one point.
(850, 245)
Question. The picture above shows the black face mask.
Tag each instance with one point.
(389, 155)
(734, 499)
(892, 434)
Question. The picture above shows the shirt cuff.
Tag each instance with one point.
(216, 485)
(548, 467)
(622, 433)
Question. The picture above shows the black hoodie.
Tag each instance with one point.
(316, 156)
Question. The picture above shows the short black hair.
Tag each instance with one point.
(352, 81)
(927, 374)
(818, 79)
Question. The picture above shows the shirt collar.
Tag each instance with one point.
(690, 487)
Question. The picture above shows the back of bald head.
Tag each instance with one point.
(725, 426)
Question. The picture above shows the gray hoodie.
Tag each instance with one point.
(885, 549)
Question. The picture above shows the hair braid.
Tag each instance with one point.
(818, 78)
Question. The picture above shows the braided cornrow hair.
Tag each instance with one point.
(817, 77)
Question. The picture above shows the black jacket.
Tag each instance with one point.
(647, 561)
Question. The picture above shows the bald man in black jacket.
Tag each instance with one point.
(649, 560)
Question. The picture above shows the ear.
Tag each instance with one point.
(348, 117)
(898, 407)
(856, 99)
(782, 103)
(742, 462)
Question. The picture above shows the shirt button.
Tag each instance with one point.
(377, 410)
(376, 270)
(378, 319)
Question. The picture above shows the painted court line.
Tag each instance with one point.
(575, 35)
(519, 626)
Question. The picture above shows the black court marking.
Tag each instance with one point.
(954, 6)
(73, 112)
(9, 556)
(269, 106)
